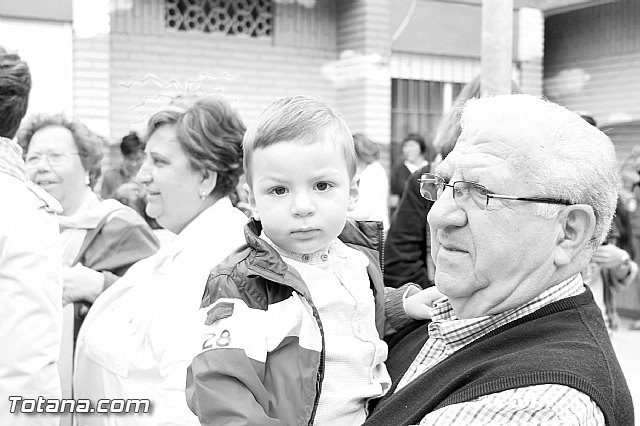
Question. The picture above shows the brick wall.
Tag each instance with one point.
(91, 70)
(150, 65)
(91, 59)
(364, 81)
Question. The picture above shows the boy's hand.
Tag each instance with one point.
(416, 305)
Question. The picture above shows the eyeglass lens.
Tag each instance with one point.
(431, 187)
(55, 159)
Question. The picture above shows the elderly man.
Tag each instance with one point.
(521, 204)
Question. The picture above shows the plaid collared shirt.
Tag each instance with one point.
(542, 404)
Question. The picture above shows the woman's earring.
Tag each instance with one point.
(203, 195)
(87, 181)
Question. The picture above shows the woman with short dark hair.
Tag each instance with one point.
(142, 334)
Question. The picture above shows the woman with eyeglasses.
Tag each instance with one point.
(100, 239)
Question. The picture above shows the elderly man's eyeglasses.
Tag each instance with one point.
(54, 158)
(432, 186)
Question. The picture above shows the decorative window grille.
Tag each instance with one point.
(252, 18)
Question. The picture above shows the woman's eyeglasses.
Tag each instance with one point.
(54, 158)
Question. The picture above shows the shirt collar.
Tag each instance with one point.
(193, 231)
(457, 333)
(336, 252)
(318, 257)
(90, 213)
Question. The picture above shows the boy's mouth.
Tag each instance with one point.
(305, 231)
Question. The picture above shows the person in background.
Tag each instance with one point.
(415, 154)
(120, 183)
(612, 266)
(520, 205)
(101, 239)
(631, 198)
(407, 247)
(373, 186)
(132, 150)
(138, 338)
(30, 267)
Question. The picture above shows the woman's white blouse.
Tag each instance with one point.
(142, 332)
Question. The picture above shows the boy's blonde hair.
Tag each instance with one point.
(299, 118)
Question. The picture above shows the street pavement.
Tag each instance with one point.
(626, 343)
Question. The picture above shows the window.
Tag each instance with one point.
(416, 107)
(251, 18)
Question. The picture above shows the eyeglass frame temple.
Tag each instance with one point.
(537, 200)
(509, 197)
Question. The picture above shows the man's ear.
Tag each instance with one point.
(209, 180)
(354, 193)
(252, 201)
(577, 224)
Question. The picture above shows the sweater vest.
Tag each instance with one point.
(563, 343)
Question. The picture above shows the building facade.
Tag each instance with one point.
(391, 67)
(591, 65)
(370, 59)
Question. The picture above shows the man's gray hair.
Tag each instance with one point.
(566, 157)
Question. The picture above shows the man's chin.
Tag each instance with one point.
(452, 285)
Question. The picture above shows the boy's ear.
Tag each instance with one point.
(354, 193)
(252, 201)
(576, 226)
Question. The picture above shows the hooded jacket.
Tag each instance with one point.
(248, 375)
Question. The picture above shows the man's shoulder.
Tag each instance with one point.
(20, 197)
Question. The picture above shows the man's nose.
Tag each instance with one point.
(446, 212)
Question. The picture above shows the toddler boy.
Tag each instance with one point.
(294, 319)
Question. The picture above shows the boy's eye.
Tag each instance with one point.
(322, 186)
(279, 190)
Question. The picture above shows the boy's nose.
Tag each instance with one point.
(302, 205)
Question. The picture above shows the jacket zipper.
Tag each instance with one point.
(320, 373)
(381, 246)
